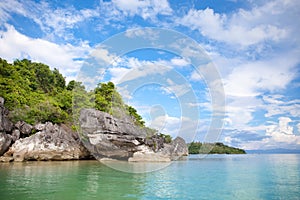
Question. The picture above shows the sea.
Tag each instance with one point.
(249, 176)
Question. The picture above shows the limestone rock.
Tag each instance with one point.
(178, 148)
(173, 151)
(15, 135)
(5, 141)
(39, 127)
(94, 121)
(52, 143)
(146, 154)
(107, 137)
(24, 128)
(5, 124)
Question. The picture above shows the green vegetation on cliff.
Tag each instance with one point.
(213, 148)
(35, 93)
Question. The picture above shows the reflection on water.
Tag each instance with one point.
(212, 177)
(135, 167)
(66, 180)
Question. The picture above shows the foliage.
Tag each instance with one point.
(135, 116)
(213, 148)
(35, 93)
(167, 138)
(107, 99)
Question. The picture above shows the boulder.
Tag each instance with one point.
(39, 127)
(24, 128)
(173, 151)
(107, 137)
(146, 154)
(52, 143)
(94, 121)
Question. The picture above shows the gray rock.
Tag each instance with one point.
(173, 151)
(1, 101)
(178, 148)
(39, 127)
(94, 121)
(5, 124)
(53, 143)
(146, 154)
(15, 135)
(155, 142)
(25, 129)
(108, 137)
(5, 141)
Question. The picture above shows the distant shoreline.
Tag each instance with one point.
(274, 151)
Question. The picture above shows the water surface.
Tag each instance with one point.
(214, 177)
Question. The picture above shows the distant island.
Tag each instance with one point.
(213, 148)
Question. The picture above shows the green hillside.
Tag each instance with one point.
(34, 93)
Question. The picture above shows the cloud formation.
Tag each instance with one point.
(15, 45)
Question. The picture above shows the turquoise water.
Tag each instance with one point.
(214, 177)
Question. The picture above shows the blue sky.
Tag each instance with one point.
(247, 55)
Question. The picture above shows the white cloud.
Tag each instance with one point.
(131, 68)
(280, 135)
(246, 83)
(298, 127)
(7, 6)
(103, 55)
(176, 88)
(253, 78)
(175, 126)
(15, 45)
(53, 22)
(146, 9)
(147, 33)
(180, 62)
(278, 105)
(243, 27)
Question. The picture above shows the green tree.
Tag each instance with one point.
(44, 76)
(135, 116)
(59, 80)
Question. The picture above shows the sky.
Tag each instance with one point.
(205, 70)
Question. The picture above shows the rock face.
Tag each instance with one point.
(24, 128)
(94, 121)
(109, 137)
(102, 136)
(5, 126)
(51, 143)
(5, 141)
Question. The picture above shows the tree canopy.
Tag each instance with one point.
(35, 93)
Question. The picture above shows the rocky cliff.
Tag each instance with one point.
(101, 136)
(109, 137)
(5, 127)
